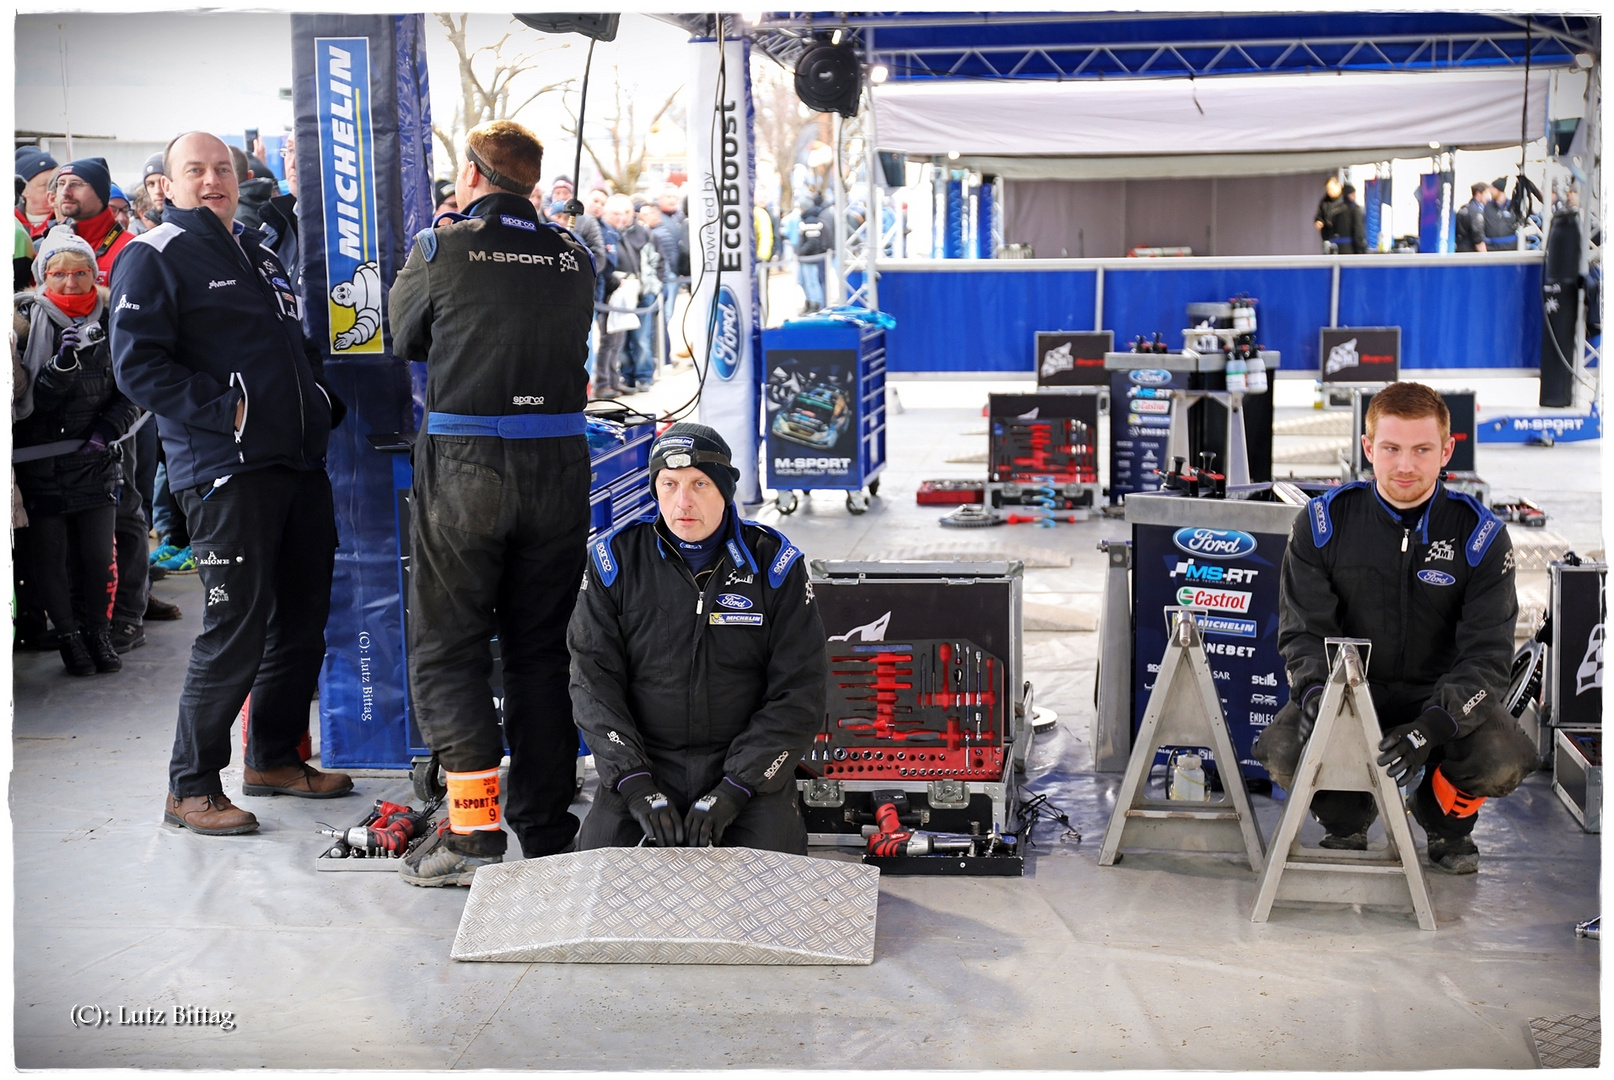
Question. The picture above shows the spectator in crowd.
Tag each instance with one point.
(245, 417)
(607, 381)
(22, 257)
(813, 236)
(667, 235)
(560, 193)
(638, 363)
(588, 229)
(120, 207)
(279, 216)
(71, 416)
(594, 204)
(34, 206)
(83, 198)
(151, 183)
(257, 188)
(447, 201)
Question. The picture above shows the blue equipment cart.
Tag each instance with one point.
(824, 395)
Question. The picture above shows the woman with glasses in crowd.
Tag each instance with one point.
(65, 428)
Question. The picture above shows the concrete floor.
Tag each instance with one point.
(1150, 964)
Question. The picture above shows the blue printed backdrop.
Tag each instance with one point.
(986, 319)
(362, 681)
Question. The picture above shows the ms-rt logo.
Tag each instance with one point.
(1193, 570)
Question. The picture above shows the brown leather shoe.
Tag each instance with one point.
(300, 780)
(161, 609)
(210, 815)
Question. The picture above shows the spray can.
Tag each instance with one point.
(1187, 777)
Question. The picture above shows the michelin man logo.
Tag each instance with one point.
(363, 295)
(1342, 356)
(568, 261)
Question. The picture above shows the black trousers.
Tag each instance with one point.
(59, 554)
(500, 528)
(769, 822)
(265, 546)
(1490, 761)
(134, 565)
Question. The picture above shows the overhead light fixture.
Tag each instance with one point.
(878, 74)
(751, 18)
(1434, 146)
(952, 155)
(1584, 61)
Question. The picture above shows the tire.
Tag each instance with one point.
(874, 487)
(787, 502)
(427, 779)
(857, 502)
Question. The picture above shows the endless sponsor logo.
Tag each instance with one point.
(1213, 599)
(1214, 543)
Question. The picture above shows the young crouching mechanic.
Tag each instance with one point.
(1426, 574)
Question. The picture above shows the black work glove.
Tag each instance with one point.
(714, 812)
(1310, 699)
(1407, 747)
(653, 810)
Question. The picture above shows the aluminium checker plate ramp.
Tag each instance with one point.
(649, 905)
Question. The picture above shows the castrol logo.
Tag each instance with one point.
(1213, 599)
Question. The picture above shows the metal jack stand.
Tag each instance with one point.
(1340, 756)
(1112, 720)
(1184, 710)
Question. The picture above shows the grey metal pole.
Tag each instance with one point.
(873, 229)
(837, 294)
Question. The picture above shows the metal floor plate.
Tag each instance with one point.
(671, 906)
(1567, 1042)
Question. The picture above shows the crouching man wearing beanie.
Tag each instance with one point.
(698, 665)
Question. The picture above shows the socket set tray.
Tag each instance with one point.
(921, 709)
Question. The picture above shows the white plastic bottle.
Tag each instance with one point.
(1237, 377)
(1257, 377)
(1187, 778)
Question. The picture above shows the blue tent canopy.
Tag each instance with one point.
(1108, 45)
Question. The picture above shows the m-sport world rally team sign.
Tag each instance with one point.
(347, 177)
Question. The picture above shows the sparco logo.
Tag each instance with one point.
(725, 352)
(1151, 377)
(1484, 533)
(1214, 599)
(783, 560)
(527, 399)
(1214, 543)
(767, 773)
(603, 550)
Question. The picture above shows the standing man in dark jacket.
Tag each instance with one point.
(1426, 574)
(1471, 219)
(698, 665)
(498, 306)
(206, 333)
(1501, 228)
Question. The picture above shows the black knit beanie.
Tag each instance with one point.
(684, 445)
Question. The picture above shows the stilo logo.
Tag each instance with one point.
(1214, 543)
(725, 352)
(1151, 377)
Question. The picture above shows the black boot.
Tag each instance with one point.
(102, 652)
(75, 654)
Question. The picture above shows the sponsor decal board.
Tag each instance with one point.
(1140, 428)
(347, 180)
(1360, 354)
(1073, 357)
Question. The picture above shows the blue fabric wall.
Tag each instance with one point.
(1469, 316)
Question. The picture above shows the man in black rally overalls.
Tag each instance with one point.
(1426, 574)
(698, 665)
(499, 307)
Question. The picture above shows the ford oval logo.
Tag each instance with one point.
(1436, 577)
(725, 353)
(734, 600)
(1151, 377)
(1214, 543)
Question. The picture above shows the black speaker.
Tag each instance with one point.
(598, 27)
(893, 168)
(1560, 304)
(829, 78)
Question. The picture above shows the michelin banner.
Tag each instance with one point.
(347, 178)
(723, 324)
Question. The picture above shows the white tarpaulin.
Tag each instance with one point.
(1225, 115)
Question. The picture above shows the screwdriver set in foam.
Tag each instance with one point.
(924, 708)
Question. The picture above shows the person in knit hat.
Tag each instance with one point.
(83, 198)
(698, 665)
(151, 178)
(35, 168)
(65, 426)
